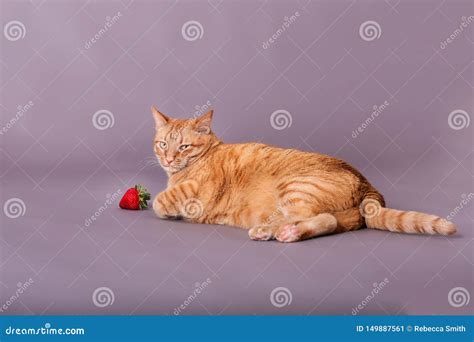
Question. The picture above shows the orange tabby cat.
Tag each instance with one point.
(275, 193)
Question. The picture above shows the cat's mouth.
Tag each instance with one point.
(171, 167)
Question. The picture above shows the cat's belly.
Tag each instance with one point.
(270, 203)
(245, 208)
(247, 219)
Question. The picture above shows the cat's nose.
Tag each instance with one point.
(169, 160)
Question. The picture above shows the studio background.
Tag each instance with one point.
(78, 79)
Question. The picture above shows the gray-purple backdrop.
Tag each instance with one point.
(386, 85)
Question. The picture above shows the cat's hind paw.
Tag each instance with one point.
(261, 233)
(290, 233)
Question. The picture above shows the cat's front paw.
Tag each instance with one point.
(162, 208)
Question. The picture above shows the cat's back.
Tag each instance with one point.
(258, 158)
(249, 160)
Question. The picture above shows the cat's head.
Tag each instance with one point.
(179, 143)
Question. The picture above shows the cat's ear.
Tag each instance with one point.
(160, 118)
(203, 123)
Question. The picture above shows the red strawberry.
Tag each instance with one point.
(135, 198)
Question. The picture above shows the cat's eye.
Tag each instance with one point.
(163, 145)
(183, 147)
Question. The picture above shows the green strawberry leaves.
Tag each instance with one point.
(143, 195)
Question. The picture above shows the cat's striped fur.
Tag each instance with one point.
(275, 193)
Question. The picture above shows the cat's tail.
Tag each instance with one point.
(411, 222)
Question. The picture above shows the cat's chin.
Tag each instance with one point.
(171, 169)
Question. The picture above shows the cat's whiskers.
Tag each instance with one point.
(152, 161)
